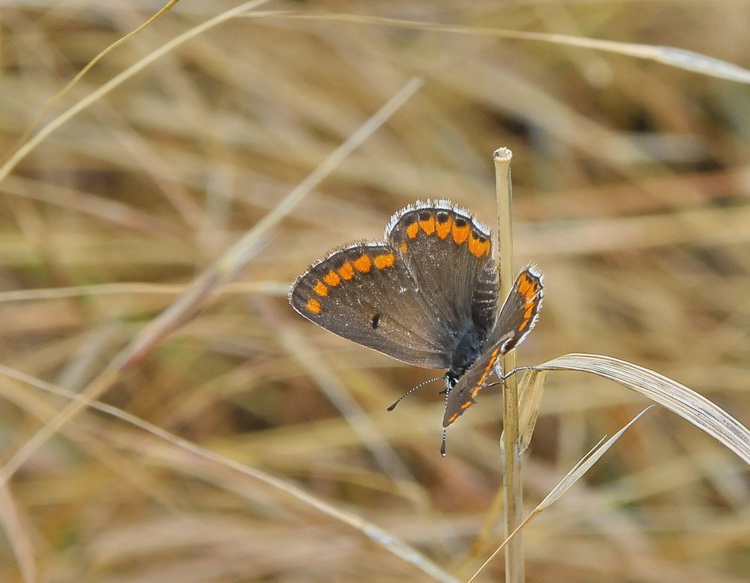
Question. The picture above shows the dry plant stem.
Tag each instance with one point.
(511, 451)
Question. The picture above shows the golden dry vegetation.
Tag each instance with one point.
(631, 193)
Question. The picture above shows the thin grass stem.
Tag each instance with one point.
(511, 451)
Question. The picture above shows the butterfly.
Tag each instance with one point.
(427, 295)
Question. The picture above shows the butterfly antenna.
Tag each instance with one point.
(410, 391)
(447, 392)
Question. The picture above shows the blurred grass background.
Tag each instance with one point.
(631, 193)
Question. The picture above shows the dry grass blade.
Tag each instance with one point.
(531, 390)
(583, 466)
(269, 288)
(18, 535)
(372, 531)
(692, 61)
(575, 474)
(674, 57)
(676, 397)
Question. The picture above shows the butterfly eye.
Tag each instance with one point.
(375, 321)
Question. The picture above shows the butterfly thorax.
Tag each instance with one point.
(468, 348)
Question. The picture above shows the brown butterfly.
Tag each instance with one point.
(427, 295)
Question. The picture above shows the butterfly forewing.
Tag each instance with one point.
(366, 294)
(450, 256)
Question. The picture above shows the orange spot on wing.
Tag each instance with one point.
(332, 278)
(428, 226)
(477, 246)
(451, 419)
(461, 233)
(321, 289)
(313, 306)
(363, 264)
(346, 271)
(527, 316)
(403, 247)
(385, 260)
(524, 285)
(412, 230)
(444, 228)
(487, 371)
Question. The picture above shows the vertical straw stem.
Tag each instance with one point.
(511, 452)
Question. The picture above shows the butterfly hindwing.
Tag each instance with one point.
(518, 316)
(520, 310)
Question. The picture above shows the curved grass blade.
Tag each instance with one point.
(676, 397)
